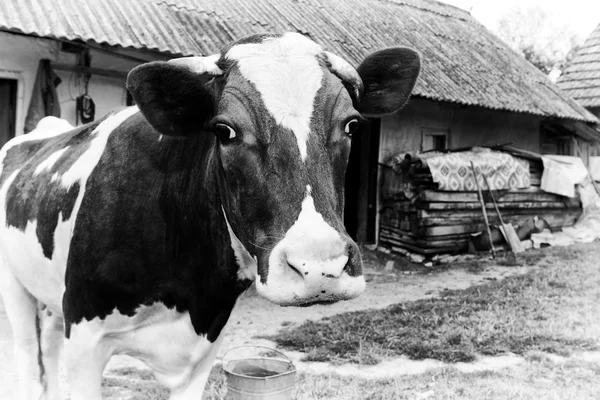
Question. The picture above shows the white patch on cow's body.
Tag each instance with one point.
(164, 339)
(47, 128)
(21, 250)
(42, 277)
(49, 162)
(24, 257)
(247, 263)
(318, 254)
(83, 167)
(286, 72)
(25, 271)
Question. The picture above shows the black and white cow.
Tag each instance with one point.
(138, 232)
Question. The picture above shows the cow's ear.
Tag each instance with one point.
(389, 77)
(175, 99)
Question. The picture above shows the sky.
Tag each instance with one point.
(582, 16)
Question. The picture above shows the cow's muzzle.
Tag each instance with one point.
(319, 268)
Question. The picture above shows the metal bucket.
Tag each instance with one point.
(259, 376)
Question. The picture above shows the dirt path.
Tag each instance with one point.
(254, 316)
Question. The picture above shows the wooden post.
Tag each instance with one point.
(483, 210)
(507, 229)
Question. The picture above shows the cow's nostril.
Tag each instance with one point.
(348, 267)
(295, 270)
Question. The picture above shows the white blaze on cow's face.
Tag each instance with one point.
(287, 74)
(284, 149)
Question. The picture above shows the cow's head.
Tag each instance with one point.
(282, 111)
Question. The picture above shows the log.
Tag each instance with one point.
(423, 243)
(420, 250)
(475, 206)
(409, 234)
(479, 227)
(473, 214)
(464, 197)
(556, 219)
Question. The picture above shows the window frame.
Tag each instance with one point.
(435, 132)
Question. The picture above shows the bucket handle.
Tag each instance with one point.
(257, 346)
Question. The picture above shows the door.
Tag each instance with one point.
(360, 213)
(8, 109)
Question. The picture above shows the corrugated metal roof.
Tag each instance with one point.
(581, 78)
(461, 61)
(140, 24)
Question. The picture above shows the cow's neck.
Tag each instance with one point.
(197, 232)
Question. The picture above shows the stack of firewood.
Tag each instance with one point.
(428, 221)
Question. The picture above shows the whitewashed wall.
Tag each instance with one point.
(19, 59)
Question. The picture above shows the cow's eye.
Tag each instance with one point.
(351, 127)
(224, 132)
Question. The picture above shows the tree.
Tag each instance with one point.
(545, 43)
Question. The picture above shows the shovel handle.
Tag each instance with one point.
(483, 210)
(493, 199)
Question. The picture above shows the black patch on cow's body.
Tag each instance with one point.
(150, 229)
(41, 198)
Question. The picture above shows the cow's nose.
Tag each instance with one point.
(328, 268)
(310, 270)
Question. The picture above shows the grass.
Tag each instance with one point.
(573, 380)
(540, 378)
(553, 308)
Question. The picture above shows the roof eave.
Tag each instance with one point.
(585, 116)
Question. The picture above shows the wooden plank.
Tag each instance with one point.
(409, 234)
(473, 214)
(462, 197)
(420, 250)
(427, 180)
(556, 219)
(449, 230)
(469, 228)
(91, 70)
(476, 206)
(423, 243)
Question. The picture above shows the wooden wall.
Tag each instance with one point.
(467, 126)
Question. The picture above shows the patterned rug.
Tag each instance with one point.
(453, 171)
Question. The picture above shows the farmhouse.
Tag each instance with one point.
(473, 89)
(581, 78)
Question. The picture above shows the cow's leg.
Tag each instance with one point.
(21, 310)
(51, 344)
(86, 355)
(193, 389)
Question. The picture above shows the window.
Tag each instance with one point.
(433, 139)
(8, 109)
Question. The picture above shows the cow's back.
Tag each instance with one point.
(42, 182)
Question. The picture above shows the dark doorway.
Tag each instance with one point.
(8, 109)
(360, 214)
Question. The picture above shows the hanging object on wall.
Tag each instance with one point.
(85, 108)
(44, 99)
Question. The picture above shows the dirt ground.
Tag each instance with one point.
(254, 316)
